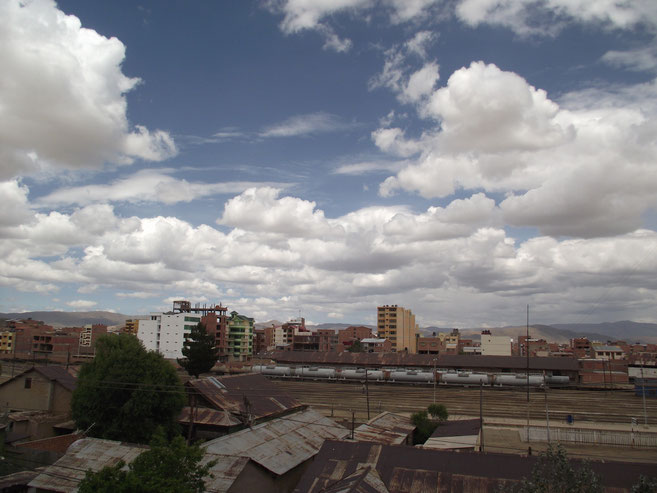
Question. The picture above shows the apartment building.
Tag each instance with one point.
(397, 324)
(240, 336)
(495, 345)
(166, 332)
(7, 342)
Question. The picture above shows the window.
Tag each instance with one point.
(28, 383)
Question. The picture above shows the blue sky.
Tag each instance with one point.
(462, 158)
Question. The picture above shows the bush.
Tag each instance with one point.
(438, 411)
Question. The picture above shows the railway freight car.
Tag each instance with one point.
(403, 375)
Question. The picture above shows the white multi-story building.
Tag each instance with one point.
(166, 332)
(495, 345)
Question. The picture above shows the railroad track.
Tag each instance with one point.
(585, 405)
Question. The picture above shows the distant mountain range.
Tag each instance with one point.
(71, 319)
(624, 330)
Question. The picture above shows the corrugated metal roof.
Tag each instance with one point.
(12, 482)
(364, 480)
(94, 453)
(282, 443)
(207, 416)
(89, 453)
(224, 472)
(403, 469)
(388, 428)
(605, 347)
(59, 444)
(422, 360)
(229, 393)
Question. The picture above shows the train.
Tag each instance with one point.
(403, 375)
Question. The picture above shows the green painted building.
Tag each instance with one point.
(240, 336)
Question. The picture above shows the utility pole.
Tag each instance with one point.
(643, 393)
(527, 352)
(353, 419)
(367, 395)
(547, 410)
(481, 414)
(191, 418)
(14, 339)
(434, 379)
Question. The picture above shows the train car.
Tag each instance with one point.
(557, 380)
(464, 378)
(405, 375)
(518, 379)
(274, 371)
(316, 373)
(411, 376)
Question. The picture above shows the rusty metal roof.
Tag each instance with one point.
(422, 360)
(458, 428)
(59, 444)
(224, 472)
(387, 428)
(12, 482)
(228, 393)
(282, 443)
(89, 453)
(403, 469)
(207, 416)
(364, 480)
(94, 453)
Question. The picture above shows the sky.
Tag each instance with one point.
(461, 158)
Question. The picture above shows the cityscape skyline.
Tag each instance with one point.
(463, 159)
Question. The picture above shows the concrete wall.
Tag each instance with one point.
(14, 395)
(495, 345)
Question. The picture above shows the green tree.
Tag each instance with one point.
(555, 473)
(438, 412)
(645, 485)
(167, 467)
(126, 392)
(200, 352)
(424, 427)
(356, 347)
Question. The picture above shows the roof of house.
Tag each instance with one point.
(605, 347)
(404, 469)
(458, 428)
(11, 482)
(230, 393)
(207, 416)
(385, 428)
(55, 373)
(224, 472)
(88, 453)
(95, 453)
(282, 443)
(59, 444)
(402, 359)
(364, 480)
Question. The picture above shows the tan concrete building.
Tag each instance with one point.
(397, 324)
(495, 345)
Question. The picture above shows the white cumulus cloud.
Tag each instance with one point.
(63, 95)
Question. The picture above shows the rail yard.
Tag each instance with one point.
(603, 406)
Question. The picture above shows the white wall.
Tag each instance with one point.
(166, 334)
(495, 345)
